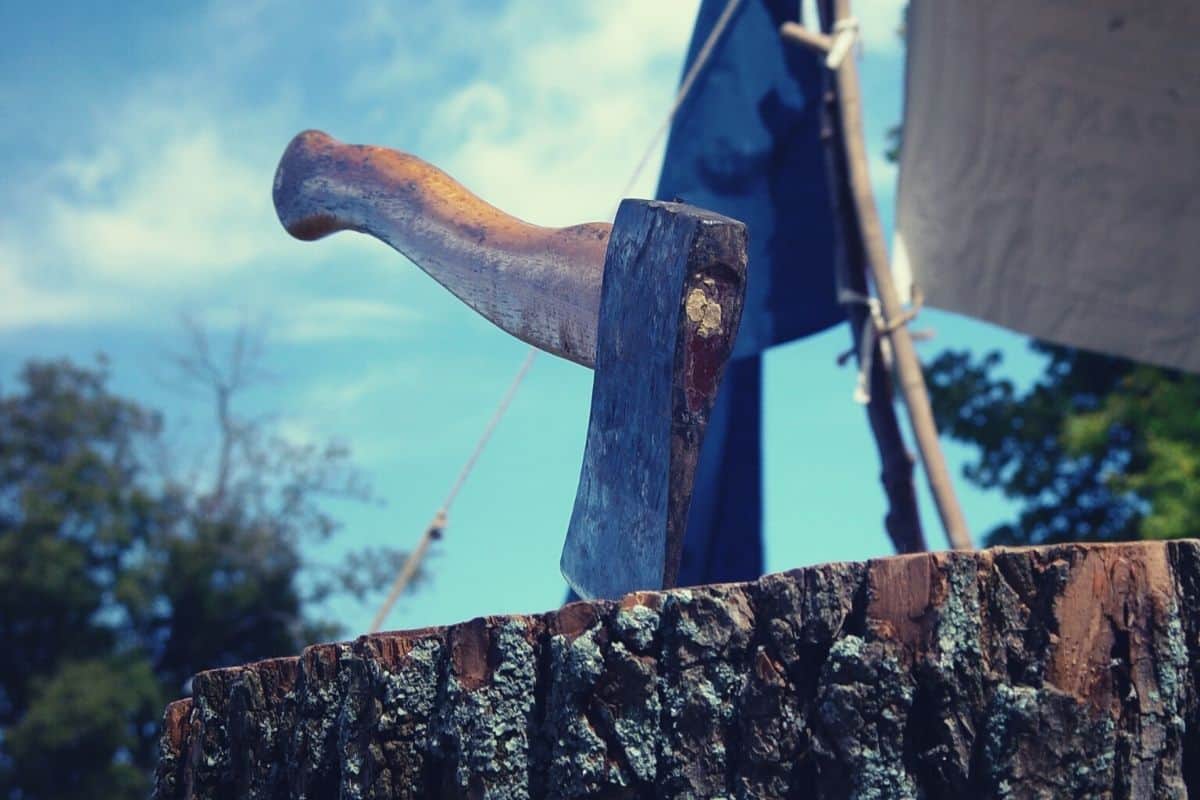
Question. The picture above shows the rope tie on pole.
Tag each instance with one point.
(437, 525)
(909, 377)
(835, 47)
(845, 34)
(877, 327)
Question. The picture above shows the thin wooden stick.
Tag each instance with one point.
(409, 570)
(903, 519)
(908, 367)
(799, 34)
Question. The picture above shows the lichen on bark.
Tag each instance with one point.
(1037, 672)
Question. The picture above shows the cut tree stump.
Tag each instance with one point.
(1066, 671)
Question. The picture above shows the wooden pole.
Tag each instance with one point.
(409, 570)
(903, 519)
(908, 367)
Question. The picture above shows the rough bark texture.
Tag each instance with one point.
(1043, 672)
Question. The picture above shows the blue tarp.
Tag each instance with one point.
(747, 144)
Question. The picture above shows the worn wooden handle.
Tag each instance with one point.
(540, 284)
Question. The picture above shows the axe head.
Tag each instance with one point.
(653, 302)
(670, 304)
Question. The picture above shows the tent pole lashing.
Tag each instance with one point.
(908, 367)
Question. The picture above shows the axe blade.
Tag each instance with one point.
(670, 304)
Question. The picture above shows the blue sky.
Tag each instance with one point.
(138, 144)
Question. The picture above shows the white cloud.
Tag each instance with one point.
(160, 197)
(479, 110)
(617, 40)
(88, 174)
(553, 131)
(405, 44)
(23, 304)
(171, 200)
(299, 431)
(336, 398)
(303, 320)
(174, 211)
(554, 136)
(328, 319)
(181, 209)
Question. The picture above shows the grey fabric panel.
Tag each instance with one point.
(1050, 174)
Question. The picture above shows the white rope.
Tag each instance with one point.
(439, 521)
(873, 325)
(876, 326)
(437, 525)
(845, 33)
(489, 430)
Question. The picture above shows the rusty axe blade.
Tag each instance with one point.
(652, 302)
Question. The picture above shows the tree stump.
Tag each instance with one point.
(1066, 671)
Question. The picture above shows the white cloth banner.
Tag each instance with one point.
(1050, 174)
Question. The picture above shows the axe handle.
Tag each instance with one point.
(540, 284)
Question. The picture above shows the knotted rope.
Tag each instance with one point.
(876, 327)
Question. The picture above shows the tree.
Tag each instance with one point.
(1098, 448)
(75, 692)
(120, 579)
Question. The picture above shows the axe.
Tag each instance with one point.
(652, 302)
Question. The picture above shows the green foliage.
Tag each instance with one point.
(1161, 409)
(1098, 448)
(80, 719)
(118, 582)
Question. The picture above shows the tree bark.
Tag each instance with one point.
(1065, 671)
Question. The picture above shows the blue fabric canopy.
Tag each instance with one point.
(747, 143)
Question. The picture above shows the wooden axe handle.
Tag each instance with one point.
(540, 284)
